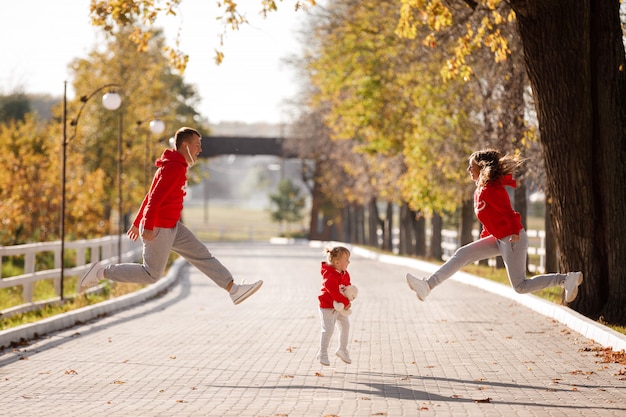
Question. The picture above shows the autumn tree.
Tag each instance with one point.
(30, 183)
(150, 89)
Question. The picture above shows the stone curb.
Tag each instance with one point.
(85, 314)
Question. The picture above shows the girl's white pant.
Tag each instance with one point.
(156, 252)
(514, 257)
(330, 317)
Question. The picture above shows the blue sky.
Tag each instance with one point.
(41, 37)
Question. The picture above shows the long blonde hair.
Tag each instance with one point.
(493, 165)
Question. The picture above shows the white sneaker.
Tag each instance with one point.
(572, 281)
(90, 278)
(420, 286)
(244, 291)
(323, 359)
(344, 355)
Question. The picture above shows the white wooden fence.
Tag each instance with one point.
(86, 252)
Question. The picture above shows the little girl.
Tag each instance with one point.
(502, 233)
(334, 275)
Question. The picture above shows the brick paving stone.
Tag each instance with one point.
(191, 352)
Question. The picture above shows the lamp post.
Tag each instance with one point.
(157, 127)
(111, 101)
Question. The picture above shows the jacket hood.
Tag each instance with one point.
(508, 181)
(170, 155)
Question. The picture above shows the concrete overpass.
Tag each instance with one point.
(243, 145)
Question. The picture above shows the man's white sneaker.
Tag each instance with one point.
(90, 278)
(244, 291)
(323, 359)
(572, 281)
(420, 286)
(344, 355)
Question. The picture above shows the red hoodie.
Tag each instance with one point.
(493, 209)
(163, 204)
(331, 280)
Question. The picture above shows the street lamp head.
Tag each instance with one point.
(111, 101)
(157, 126)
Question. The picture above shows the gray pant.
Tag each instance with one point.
(156, 253)
(513, 255)
(330, 317)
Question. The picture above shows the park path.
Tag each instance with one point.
(191, 352)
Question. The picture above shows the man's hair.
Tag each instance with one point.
(185, 134)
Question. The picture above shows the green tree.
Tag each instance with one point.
(14, 107)
(287, 203)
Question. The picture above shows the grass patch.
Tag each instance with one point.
(75, 302)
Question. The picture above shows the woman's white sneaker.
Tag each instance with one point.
(572, 281)
(420, 286)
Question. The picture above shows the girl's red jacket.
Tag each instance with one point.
(163, 204)
(492, 206)
(331, 280)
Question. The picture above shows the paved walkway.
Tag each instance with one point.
(191, 352)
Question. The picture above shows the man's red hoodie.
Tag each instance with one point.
(331, 280)
(163, 204)
(493, 209)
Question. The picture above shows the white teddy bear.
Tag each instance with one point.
(350, 292)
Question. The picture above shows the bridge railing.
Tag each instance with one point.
(29, 255)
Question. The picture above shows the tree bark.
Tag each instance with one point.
(575, 62)
(373, 222)
(467, 222)
(435, 238)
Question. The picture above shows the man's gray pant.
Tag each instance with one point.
(156, 253)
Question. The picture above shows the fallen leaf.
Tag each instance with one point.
(319, 374)
(484, 400)
(71, 372)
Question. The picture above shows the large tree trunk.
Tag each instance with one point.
(435, 238)
(406, 243)
(575, 62)
(467, 222)
(388, 228)
(373, 222)
(550, 243)
(419, 229)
